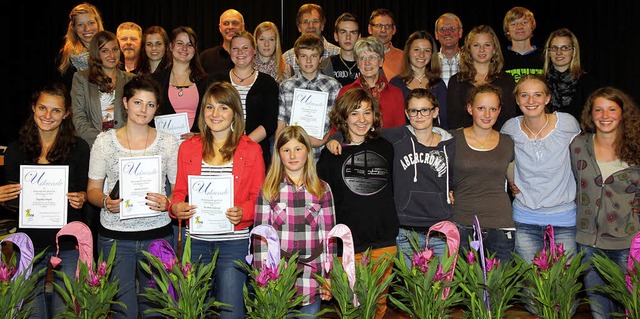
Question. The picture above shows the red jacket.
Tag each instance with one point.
(248, 174)
(390, 99)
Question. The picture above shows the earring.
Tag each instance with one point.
(232, 126)
(372, 129)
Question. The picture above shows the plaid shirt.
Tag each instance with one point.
(449, 66)
(320, 83)
(303, 222)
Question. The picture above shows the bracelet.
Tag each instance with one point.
(104, 203)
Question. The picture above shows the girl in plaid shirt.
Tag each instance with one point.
(299, 205)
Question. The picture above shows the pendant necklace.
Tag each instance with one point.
(346, 65)
(535, 135)
(483, 142)
(177, 86)
(241, 79)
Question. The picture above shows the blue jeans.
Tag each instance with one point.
(436, 243)
(127, 270)
(310, 309)
(498, 241)
(530, 239)
(601, 305)
(228, 278)
(41, 307)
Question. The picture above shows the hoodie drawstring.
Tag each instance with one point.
(446, 159)
(415, 163)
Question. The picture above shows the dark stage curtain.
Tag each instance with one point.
(607, 31)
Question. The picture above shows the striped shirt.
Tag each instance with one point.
(302, 221)
(243, 90)
(220, 170)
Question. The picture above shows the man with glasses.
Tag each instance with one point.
(521, 57)
(311, 19)
(449, 32)
(383, 27)
(217, 60)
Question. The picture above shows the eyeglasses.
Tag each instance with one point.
(370, 58)
(423, 112)
(314, 21)
(564, 48)
(380, 26)
(445, 29)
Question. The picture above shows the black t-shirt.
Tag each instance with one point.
(342, 70)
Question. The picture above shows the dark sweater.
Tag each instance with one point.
(78, 163)
(361, 181)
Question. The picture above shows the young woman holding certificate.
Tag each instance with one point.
(221, 150)
(49, 138)
(133, 235)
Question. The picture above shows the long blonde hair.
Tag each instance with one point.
(313, 184)
(467, 69)
(277, 54)
(72, 43)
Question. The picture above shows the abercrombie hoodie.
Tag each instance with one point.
(421, 177)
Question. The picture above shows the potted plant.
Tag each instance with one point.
(181, 287)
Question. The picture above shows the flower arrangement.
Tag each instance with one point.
(421, 288)
(426, 288)
(274, 294)
(552, 280)
(359, 297)
(91, 295)
(180, 288)
(622, 285)
(490, 296)
(15, 290)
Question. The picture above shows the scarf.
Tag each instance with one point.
(563, 89)
(377, 88)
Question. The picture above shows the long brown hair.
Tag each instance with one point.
(276, 173)
(628, 138)
(96, 73)
(30, 139)
(432, 69)
(222, 93)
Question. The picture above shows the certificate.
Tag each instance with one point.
(309, 110)
(212, 195)
(138, 176)
(174, 124)
(43, 199)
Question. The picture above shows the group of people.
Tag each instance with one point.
(521, 138)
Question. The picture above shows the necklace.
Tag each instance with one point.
(146, 140)
(241, 79)
(346, 65)
(357, 143)
(184, 85)
(419, 78)
(475, 137)
(535, 135)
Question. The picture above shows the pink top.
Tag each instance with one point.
(185, 100)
